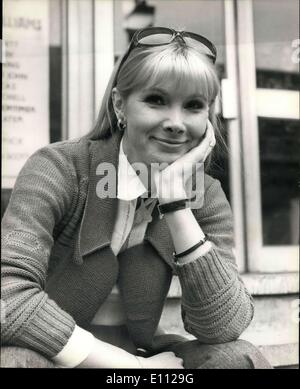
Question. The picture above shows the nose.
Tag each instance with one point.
(174, 123)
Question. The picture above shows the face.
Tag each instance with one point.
(163, 123)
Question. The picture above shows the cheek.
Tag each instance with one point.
(198, 126)
(142, 121)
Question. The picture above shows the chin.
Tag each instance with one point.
(166, 158)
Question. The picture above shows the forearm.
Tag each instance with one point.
(105, 356)
(186, 232)
(206, 272)
(83, 350)
(216, 305)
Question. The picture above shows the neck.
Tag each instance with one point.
(141, 168)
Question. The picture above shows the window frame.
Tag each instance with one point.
(78, 67)
(260, 257)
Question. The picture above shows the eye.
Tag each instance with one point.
(195, 104)
(155, 99)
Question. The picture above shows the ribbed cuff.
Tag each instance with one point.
(204, 277)
(199, 252)
(48, 331)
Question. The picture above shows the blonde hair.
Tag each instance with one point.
(152, 66)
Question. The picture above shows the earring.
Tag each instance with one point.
(121, 124)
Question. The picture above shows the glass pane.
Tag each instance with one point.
(277, 68)
(280, 166)
(32, 89)
(276, 43)
(55, 71)
(25, 107)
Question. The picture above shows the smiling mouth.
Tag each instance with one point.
(169, 142)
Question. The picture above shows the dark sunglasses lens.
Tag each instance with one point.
(158, 38)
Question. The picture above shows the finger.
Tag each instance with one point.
(211, 145)
(181, 363)
(199, 153)
(211, 134)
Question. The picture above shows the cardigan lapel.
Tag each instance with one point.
(99, 213)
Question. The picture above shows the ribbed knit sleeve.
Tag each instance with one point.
(43, 193)
(216, 306)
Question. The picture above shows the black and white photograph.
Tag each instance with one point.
(150, 187)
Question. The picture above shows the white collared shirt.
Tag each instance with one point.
(130, 187)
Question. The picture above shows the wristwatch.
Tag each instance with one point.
(171, 207)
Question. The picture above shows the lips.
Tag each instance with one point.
(172, 142)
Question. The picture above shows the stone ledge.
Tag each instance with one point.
(282, 354)
(271, 283)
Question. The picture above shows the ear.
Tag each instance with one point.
(118, 103)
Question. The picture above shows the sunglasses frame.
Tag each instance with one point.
(173, 35)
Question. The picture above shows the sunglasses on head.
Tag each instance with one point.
(160, 36)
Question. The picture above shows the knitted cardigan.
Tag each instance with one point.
(58, 267)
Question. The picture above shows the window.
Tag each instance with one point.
(48, 90)
(32, 84)
(279, 136)
(271, 138)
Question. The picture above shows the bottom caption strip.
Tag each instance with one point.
(150, 378)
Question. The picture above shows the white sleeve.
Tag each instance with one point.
(79, 346)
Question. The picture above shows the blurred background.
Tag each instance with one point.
(56, 60)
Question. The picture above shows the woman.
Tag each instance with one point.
(92, 224)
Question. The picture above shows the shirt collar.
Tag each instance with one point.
(130, 187)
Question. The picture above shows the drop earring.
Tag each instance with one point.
(121, 124)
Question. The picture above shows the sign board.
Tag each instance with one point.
(25, 83)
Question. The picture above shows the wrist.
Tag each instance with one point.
(172, 207)
(172, 194)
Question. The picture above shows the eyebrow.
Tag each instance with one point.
(164, 92)
(155, 90)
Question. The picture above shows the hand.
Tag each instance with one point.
(170, 182)
(166, 360)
